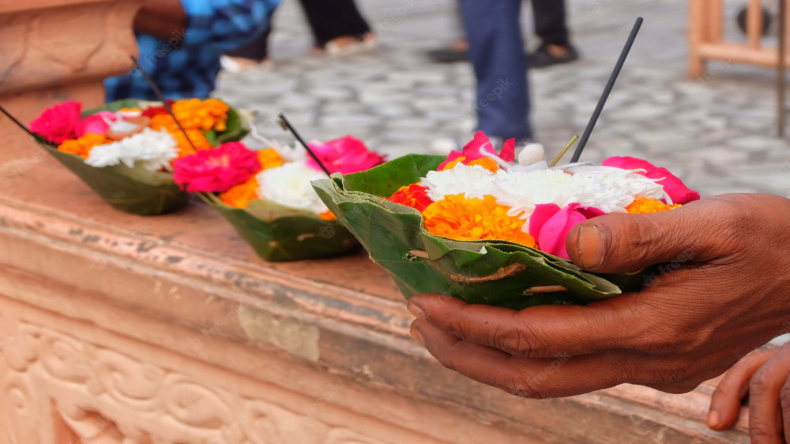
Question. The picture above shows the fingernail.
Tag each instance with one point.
(415, 310)
(714, 419)
(591, 246)
(416, 335)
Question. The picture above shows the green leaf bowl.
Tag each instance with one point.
(496, 273)
(135, 190)
(281, 234)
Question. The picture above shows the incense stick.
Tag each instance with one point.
(286, 125)
(162, 99)
(38, 138)
(564, 150)
(617, 68)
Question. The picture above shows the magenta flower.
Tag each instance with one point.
(216, 170)
(550, 225)
(674, 187)
(346, 155)
(95, 123)
(59, 123)
(471, 151)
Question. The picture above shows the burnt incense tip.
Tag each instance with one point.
(283, 124)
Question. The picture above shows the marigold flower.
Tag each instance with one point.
(269, 158)
(184, 147)
(643, 205)
(241, 195)
(83, 146)
(216, 170)
(486, 163)
(203, 114)
(459, 218)
(328, 215)
(414, 196)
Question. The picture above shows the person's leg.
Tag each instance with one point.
(551, 27)
(496, 49)
(550, 16)
(330, 20)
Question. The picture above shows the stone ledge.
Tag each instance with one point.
(340, 318)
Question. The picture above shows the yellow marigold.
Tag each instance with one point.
(459, 218)
(328, 215)
(242, 194)
(184, 147)
(83, 146)
(269, 158)
(486, 163)
(643, 205)
(202, 114)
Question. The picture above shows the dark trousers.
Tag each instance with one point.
(328, 19)
(496, 50)
(550, 16)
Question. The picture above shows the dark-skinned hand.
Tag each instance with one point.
(722, 292)
(765, 377)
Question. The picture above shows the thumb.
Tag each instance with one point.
(619, 243)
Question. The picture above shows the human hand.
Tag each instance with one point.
(722, 293)
(765, 377)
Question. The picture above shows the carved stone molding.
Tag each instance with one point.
(54, 388)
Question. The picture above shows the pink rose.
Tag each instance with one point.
(59, 123)
(347, 155)
(677, 190)
(216, 170)
(472, 152)
(550, 225)
(95, 123)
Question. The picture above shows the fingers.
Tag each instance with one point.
(618, 243)
(530, 378)
(765, 420)
(725, 404)
(538, 332)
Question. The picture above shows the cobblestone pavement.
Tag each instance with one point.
(718, 133)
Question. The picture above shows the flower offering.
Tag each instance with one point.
(267, 195)
(482, 227)
(126, 149)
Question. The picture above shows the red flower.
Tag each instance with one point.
(216, 170)
(413, 196)
(472, 150)
(346, 155)
(60, 122)
(157, 110)
(677, 190)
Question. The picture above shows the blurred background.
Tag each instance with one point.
(717, 132)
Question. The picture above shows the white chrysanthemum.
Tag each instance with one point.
(152, 150)
(629, 182)
(473, 181)
(522, 191)
(289, 185)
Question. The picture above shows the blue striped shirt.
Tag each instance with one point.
(187, 65)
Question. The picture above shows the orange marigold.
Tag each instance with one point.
(485, 162)
(241, 195)
(195, 136)
(643, 205)
(328, 215)
(202, 114)
(459, 218)
(83, 146)
(269, 158)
